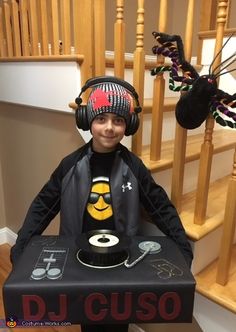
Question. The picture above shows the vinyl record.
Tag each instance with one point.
(103, 248)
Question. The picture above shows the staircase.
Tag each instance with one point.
(197, 168)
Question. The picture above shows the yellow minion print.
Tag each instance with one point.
(99, 202)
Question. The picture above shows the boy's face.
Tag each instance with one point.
(107, 129)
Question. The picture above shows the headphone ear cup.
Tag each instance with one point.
(81, 118)
(133, 125)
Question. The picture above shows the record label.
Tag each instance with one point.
(104, 240)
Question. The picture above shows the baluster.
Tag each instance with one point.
(119, 40)
(181, 133)
(99, 37)
(33, 22)
(15, 28)
(208, 15)
(229, 225)
(55, 27)
(207, 22)
(44, 27)
(138, 74)
(7, 21)
(158, 94)
(204, 174)
(3, 52)
(65, 26)
(76, 18)
(207, 146)
(85, 41)
(25, 42)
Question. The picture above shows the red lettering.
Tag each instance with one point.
(150, 308)
(127, 306)
(176, 305)
(90, 304)
(63, 310)
(30, 300)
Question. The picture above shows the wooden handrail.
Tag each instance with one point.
(47, 58)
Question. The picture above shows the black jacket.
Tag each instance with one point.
(131, 183)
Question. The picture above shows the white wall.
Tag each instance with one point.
(213, 318)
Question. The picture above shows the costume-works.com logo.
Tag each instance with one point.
(11, 322)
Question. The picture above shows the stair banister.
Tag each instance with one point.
(158, 93)
(138, 74)
(119, 40)
(181, 133)
(207, 146)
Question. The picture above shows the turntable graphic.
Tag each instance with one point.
(108, 249)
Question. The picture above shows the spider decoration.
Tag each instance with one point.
(202, 96)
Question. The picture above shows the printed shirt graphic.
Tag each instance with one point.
(99, 212)
(99, 203)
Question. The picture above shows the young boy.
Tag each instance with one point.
(103, 185)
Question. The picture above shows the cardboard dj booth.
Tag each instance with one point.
(51, 284)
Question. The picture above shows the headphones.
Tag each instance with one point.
(81, 112)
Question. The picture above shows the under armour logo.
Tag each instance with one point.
(127, 186)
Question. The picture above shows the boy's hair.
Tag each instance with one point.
(109, 97)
